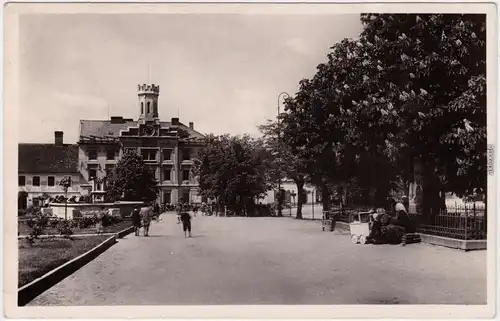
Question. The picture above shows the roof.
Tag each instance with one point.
(102, 128)
(48, 158)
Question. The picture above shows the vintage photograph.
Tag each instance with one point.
(207, 159)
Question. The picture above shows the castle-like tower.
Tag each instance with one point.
(148, 102)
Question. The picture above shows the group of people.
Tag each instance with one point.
(390, 225)
(143, 216)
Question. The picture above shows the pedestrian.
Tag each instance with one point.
(146, 216)
(136, 220)
(186, 223)
(195, 210)
(178, 210)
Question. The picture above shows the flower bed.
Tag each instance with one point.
(77, 228)
(47, 254)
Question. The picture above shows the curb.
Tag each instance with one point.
(31, 290)
(125, 232)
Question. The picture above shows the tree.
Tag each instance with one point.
(284, 160)
(232, 170)
(131, 180)
(410, 90)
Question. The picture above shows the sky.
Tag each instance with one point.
(222, 72)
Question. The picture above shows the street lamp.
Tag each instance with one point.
(285, 95)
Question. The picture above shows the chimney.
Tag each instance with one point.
(175, 121)
(116, 119)
(58, 138)
(191, 125)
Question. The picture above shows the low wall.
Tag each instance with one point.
(74, 210)
(466, 245)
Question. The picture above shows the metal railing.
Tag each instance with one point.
(460, 222)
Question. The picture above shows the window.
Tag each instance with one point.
(142, 108)
(51, 181)
(185, 197)
(129, 150)
(167, 154)
(186, 154)
(109, 169)
(22, 180)
(110, 154)
(167, 174)
(149, 110)
(92, 154)
(148, 154)
(36, 180)
(92, 172)
(185, 175)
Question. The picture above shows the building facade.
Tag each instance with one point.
(169, 148)
(43, 166)
(291, 194)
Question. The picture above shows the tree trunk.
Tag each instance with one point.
(300, 191)
(325, 197)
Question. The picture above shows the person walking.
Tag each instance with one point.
(146, 216)
(136, 220)
(186, 223)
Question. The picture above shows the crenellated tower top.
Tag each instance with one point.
(150, 89)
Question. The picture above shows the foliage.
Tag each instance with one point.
(232, 169)
(108, 220)
(410, 89)
(285, 160)
(37, 223)
(131, 180)
(64, 228)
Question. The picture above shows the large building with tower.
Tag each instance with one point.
(169, 147)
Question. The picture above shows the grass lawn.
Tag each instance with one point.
(47, 254)
(23, 229)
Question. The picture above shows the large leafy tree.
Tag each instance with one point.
(410, 90)
(232, 169)
(131, 180)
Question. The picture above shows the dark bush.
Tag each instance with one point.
(64, 228)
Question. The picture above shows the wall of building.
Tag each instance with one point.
(291, 187)
(174, 164)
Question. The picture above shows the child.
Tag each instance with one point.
(186, 223)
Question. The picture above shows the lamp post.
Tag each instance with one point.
(285, 95)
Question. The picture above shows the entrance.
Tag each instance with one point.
(167, 198)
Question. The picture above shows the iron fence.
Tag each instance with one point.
(460, 222)
(463, 223)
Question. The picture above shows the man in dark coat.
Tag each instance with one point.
(136, 220)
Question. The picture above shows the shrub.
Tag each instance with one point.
(86, 222)
(108, 220)
(64, 228)
(37, 223)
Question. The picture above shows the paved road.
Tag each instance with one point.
(269, 261)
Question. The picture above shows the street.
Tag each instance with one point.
(232, 260)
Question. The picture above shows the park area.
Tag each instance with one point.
(239, 260)
(58, 242)
(49, 253)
